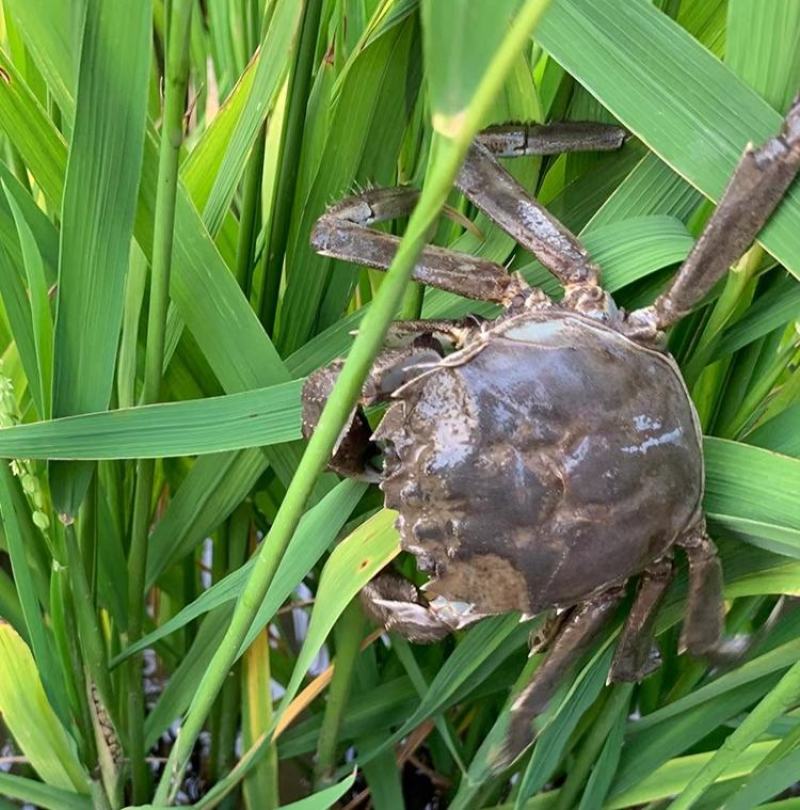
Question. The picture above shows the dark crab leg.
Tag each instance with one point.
(754, 191)
(636, 655)
(344, 232)
(397, 604)
(703, 623)
(515, 140)
(392, 368)
(575, 638)
(489, 186)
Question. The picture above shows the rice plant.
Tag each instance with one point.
(179, 572)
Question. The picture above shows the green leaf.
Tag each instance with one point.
(554, 737)
(19, 529)
(372, 98)
(48, 27)
(41, 317)
(353, 563)
(201, 166)
(97, 215)
(478, 648)
(783, 696)
(31, 131)
(39, 795)
(316, 532)
(762, 48)
(604, 769)
(766, 783)
(31, 720)
(212, 489)
(779, 305)
(745, 483)
(251, 419)
(671, 777)
(273, 62)
(460, 40)
(644, 67)
(323, 799)
(657, 737)
(781, 433)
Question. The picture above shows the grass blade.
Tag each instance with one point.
(99, 204)
(250, 419)
(643, 67)
(773, 705)
(32, 721)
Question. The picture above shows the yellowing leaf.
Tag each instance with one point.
(31, 719)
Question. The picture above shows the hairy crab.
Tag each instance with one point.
(549, 455)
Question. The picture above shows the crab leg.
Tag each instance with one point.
(397, 604)
(515, 140)
(573, 640)
(757, 186)
(344, 232)
(703, 624)
(487, 184)
(636, 655)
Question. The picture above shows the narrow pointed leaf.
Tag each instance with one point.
(31, 720)
(100, 193)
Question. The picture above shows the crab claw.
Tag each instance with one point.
(396, 604)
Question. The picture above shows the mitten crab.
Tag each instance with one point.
(542, 459)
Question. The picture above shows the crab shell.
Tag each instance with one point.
(550, 460)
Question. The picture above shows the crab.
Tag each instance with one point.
(541, 460)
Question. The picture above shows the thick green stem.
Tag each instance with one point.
(176, 82)
(456, 134)
(348, 632)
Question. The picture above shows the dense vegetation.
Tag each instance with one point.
(163, 165)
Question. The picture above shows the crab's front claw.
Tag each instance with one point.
(396, 604)
(353, 448)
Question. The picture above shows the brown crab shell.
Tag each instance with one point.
(549, 460)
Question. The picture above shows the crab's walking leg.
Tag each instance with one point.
(344, 232)
(397, 604)
(703, 623)
(487, 184)
(354, 448)
(636, 655)
(515, 140)
(574, 639)
(757, 186)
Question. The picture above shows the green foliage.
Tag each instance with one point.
(156, 496)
